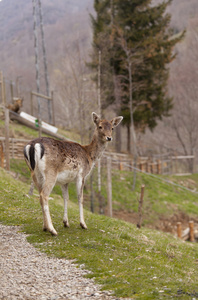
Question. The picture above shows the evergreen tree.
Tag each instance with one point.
(135, 33)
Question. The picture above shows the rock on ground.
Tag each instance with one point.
(29, 274)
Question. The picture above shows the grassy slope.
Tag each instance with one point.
(141, 264)
(160, 199)
(134, 263)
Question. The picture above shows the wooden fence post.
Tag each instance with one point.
(31, 103)
(141, 166)
(2, 89)
(100, 200)
(12, 148)
(109, 187)
(52, 106)
(7, 143)
(159, 166)
(2, 155)
(17, 86)
(121, 166)
(147, 166)
(92, 194)
(11, 91)
(179, 231)
(139, 223)
(192, 236)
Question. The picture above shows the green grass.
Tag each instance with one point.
(160, 198)
(140, 264)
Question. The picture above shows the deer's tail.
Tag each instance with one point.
(33, 153)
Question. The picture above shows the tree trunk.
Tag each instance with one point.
(118, 139)
(128, 138)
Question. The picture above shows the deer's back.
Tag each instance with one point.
(63, 158)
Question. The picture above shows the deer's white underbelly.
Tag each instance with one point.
(66, 176)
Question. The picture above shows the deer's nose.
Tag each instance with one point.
(109, 138)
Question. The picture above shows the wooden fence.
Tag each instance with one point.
(15, 149)
(123, 162)
(164, 164)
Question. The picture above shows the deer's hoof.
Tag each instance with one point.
(66, 224)
(83, 225)
(53, 232)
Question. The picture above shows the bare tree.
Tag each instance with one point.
(183, 86)
(78, 94)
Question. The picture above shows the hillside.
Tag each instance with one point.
(140, 264)
(119, 256)
(165, 203)
(64, 21)
(66, 24)
(68, 40)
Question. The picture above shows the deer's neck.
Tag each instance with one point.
(96, 148)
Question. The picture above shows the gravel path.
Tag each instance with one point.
(26, 273)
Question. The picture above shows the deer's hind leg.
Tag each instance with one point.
(44, 197)
(65, 198)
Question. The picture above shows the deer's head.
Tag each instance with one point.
(105, 128)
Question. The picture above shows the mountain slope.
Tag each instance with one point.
(64, 21)
(140, 264)
(68, 34)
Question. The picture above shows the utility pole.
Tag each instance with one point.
(99, 82)
(99, 110)
(45, 62)
(42, 79)
(132, 131)
(37, 64)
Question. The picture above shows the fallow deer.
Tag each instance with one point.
(16, 106)
(61, 162)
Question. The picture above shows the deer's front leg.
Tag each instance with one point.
(80, 186)
(65, 198)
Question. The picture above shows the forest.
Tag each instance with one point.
(71, 43)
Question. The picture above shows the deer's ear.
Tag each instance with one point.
(96, 118)
(116, 121)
